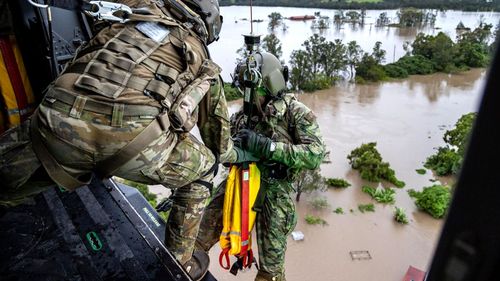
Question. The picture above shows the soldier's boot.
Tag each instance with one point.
(265, 276)
(197, 266)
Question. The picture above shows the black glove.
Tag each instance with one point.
(252, 142)
(244, 156)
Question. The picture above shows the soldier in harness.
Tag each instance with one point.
(286, 138)
(124, 107)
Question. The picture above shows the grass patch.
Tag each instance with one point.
(310, 219)
(338, 183)
(339, 211)
(366, 208)
(381, 195)
(400, 216)
(320, 203)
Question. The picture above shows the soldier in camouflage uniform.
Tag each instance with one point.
(125, 107)
(285, 136)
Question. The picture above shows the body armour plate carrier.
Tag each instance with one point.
(149, 61)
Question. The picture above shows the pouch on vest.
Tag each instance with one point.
(241, 192)
(184, 110)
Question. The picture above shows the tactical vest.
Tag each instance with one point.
(151, 61)
(279, 126)
(134, 68)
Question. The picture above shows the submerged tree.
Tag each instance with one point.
(301, 68)
(314, 48)
(448, 159)
(378, 53)
(410, 17)
(353, 56)
(382, 19)
(275, 20)
(272, 44)
(308, 181)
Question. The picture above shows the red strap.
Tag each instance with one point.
(245, 194)
(224, 253)
(249, 261)
(15, 77)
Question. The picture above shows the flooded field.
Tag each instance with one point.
(407, 118)
(392, 38)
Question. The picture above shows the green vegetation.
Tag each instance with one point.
(429, 54)
(410, 17)
(339, 211)
(448, 159)
(271, 44)
(144, 190)
(320, 203)
(366, 208)
(400, 216)
(369, 162)
(339, 183)
(432, 199)
(421, 171)
(275, 19)
(381, 195)
(365, 1)
(315, 67)
(308, 181)
(310, 219)
(231, 92)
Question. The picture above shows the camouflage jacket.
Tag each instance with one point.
(293, 127)
(213, 122)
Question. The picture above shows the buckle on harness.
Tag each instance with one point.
(163, 121)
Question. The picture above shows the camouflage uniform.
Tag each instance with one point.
(299, 145)
(78, 134)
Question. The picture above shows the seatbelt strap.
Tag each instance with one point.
(54, 169)
(156, 128)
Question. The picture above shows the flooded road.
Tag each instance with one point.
(407, 118)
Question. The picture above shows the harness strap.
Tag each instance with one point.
(53, 168)
(101, 107)
(224, 254)
(245, 193)
(155, 129)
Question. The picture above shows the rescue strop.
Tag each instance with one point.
(238, 218)
(15, 90)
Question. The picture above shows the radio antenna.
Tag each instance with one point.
(251, 18)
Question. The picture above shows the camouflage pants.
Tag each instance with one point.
(178, 162)
(273, 225)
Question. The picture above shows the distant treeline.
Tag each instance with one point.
(465, 5)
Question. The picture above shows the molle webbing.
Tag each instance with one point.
(97, 106)
(124, 51)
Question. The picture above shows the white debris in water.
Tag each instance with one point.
(297, 235)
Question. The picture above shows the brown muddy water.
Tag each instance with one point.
(407, 118)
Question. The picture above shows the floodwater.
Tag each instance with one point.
(407, 118)
(231, 39)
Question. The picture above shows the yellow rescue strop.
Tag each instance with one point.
(238, 218)
(17, 97)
